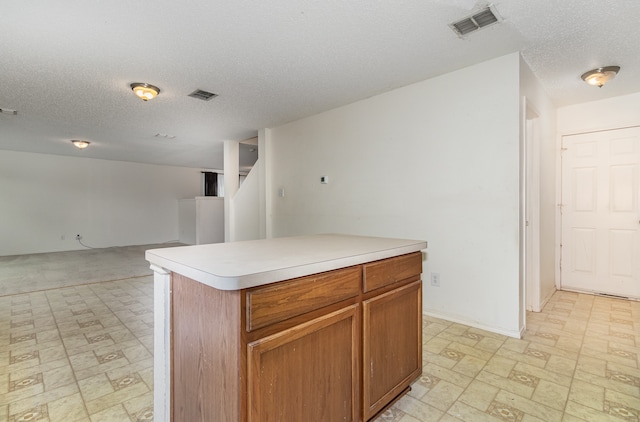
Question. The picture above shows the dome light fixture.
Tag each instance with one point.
(600, 76)
(145, 91)
(80, 144)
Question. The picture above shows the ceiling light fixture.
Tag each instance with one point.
(80, 144)
(601, 75)
(145, 91)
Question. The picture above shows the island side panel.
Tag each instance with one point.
(206, 352)
(161, 344)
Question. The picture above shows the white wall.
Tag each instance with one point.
(545, 144)
(231, 185)
(264, 183)
(246, 206)
(612, 113)
(110, 203)
(437, 160)
(201, 220)
(187, 221)
(209, 219)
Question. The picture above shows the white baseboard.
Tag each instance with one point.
(546, 300)
(509, 333)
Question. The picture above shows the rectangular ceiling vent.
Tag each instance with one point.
(486, 17)
(202, 95)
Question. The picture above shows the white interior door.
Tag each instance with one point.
(600, 212)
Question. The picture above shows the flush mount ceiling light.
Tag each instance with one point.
(145, 91)
(80, 144)
(601, 75)
(7, 111)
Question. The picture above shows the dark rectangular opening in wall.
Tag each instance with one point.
(210, 183)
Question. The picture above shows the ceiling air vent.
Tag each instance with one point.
(479, 20)
(202, 95)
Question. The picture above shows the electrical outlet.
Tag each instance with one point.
(435, 279)
(78, 237)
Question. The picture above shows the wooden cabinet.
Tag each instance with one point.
(392, 345)
(335, 346)
(308, 372)
(385, 273)
(278, 302)
(303, 348)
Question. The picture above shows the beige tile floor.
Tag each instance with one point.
(82, 353)
(85, 353)
(579, 360)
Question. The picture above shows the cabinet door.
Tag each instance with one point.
(392, 345)
(307, 373)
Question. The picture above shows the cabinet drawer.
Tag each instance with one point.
(280, 301)
(382, 273)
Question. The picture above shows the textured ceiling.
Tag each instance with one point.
(66, 65)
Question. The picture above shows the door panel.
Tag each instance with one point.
(601, 212)
(392, 345)
(308, 373)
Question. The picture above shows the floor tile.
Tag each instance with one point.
(85, 353)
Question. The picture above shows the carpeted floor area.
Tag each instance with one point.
(44, 271)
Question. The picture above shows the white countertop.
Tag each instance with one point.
(240, 265)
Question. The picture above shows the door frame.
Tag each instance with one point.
(530, 209)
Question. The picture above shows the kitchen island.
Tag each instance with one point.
(309, 328)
